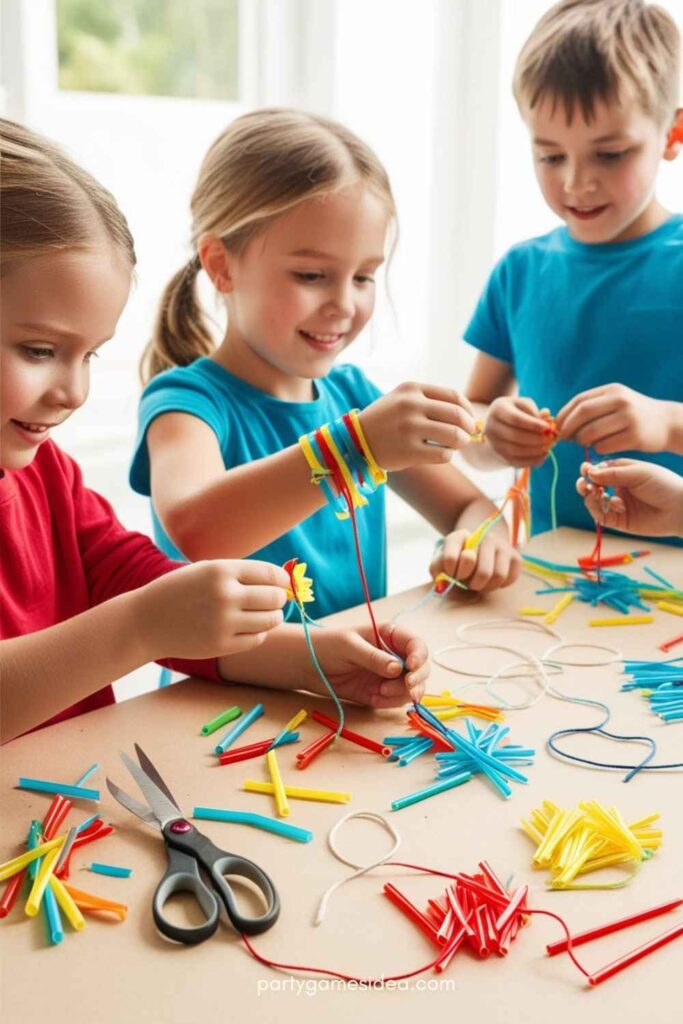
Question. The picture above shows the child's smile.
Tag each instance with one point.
(302, 290)
(599, 176)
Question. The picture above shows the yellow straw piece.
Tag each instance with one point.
(623, 620)
(573, 843)
(40, 883)
(357, 497)
(491, 714)
(278, 785)
(431, 700)
(557, 609)
(295, 722)
(17, 864)
(667, 606)
(71, 911)
(474, 539)
(378, 474)
(533, 611)
(298, 792)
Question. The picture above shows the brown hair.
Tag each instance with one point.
(50, 204)
(582, 51)
(262, 165)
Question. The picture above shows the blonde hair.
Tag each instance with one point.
(262, 165)
(49, 204)
(582, 51)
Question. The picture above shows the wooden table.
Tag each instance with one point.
(128, 973)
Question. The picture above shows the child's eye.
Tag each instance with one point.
(365, 279)
(309, 277)
(612, 156)
(37, 353)
(552, 159)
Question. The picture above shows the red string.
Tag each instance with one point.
(369, 982)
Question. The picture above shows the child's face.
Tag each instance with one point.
(599, 177)
(304, 288)
(56, 312)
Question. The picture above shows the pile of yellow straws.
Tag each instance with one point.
(573, 843)
(445, 707)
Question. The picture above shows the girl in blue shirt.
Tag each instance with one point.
(290, 219)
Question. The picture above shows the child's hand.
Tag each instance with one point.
(359, 671)
(212, 608)
(399, 425)
(649, 498)
(493, 564)
(614, 418)
(518, 432)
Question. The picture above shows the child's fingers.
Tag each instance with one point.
(437, 393)
(604, 431)
(584, 414)
(513, 417)
(454, 415)
(452, 549)
(619, 473)
(260, 599)
(573, 404)
(256, 621)
(251, 571)
(484, 567)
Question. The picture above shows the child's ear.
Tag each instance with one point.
(215, 260)
(674, 140)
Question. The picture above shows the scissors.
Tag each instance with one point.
(187, 850)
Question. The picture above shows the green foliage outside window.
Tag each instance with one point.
(151, 47)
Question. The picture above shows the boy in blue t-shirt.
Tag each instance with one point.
(587, 321)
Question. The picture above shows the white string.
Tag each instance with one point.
(616, 654)
(361, 868)
(528, 664)
(525, 624)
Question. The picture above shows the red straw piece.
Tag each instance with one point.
(12, 890)
(450, 951)
(637, 954)
(353, 737)
(479, 941)
(411, 911)
(314, 750)
(613, 926)
(244, 753)
(493, 879)
(668, 644)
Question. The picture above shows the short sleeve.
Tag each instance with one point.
(488, 330)
(172, 391)
(360, 390)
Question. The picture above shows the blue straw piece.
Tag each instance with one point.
(86, 774)
(660, 579)
(111, 869)
(405, 757)
(87, 823)
(429, 791)
(53, 920)
(237, 730)
(63, 788)
(31, 842)
(280, 828)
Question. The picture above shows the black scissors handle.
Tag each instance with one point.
(186, 848)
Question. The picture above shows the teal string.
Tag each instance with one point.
(314, 659)
(553, 489)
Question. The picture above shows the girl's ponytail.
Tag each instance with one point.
(180, 333)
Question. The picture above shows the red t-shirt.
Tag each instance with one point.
(62, 551)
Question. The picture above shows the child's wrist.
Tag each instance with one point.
(673, 412)
(342, 463)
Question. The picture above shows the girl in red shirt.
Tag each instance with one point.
(85, 601)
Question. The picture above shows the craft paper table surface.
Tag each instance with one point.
(128, 973)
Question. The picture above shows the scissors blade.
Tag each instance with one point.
(164, 809)
(132, 805)
(153, 774)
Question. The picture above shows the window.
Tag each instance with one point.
(149, 47)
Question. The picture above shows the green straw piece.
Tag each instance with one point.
(225, 716)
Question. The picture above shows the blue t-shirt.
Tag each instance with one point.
(249, 425)
(569, 316)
